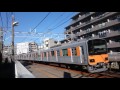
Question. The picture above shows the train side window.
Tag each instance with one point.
(74, 51)
(65, 52)
(52, 53)
(44, 54)
(38, 54)
(58, 52)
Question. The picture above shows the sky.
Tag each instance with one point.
(41, 21)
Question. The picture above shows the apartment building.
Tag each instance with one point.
(26, 47)
(49, 43)
(87, 25)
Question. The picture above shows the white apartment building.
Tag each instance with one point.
(26, 47)
(48, 43)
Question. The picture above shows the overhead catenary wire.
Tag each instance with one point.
(57, 26)
(38, 24)
(8, 26)
(63, 19)
(55, 20)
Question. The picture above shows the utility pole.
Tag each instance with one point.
(12, 38)
(13, 24)
(1, 40)
(1, 44)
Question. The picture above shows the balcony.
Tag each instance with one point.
(108, 24)
(68, 30)
(82, 17)
(80, 33)
(113, 44)
(95, 37)
(112, 34)
(101, 17)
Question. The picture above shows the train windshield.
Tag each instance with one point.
(97, 46)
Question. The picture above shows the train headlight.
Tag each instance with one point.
(106, 58)
(92, 60)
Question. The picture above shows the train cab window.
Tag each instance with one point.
(44, 54)
(65, 52)
(52, 53)
(74, 51)
(58, 53)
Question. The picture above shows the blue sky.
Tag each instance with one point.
(29, 20)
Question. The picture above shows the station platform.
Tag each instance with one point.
(14, 70)
(21, 71)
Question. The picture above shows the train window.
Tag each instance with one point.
(52, 53)
(58, 52)
(44, 54)
(38, 55)
(74, 51)
(65, 52)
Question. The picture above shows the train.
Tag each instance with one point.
(91, 55)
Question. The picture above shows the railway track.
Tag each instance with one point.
(54, 71)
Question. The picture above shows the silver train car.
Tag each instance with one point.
(90, 54)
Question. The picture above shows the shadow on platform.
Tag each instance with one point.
(7, 70)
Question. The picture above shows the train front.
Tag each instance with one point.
(97, 55)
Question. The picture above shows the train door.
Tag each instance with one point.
(82, 55)
(53, 58)
(56, 56)
(78, 54)
(59, 55)
(45, 56)
(39, 56)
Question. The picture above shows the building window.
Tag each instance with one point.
(46, 45)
